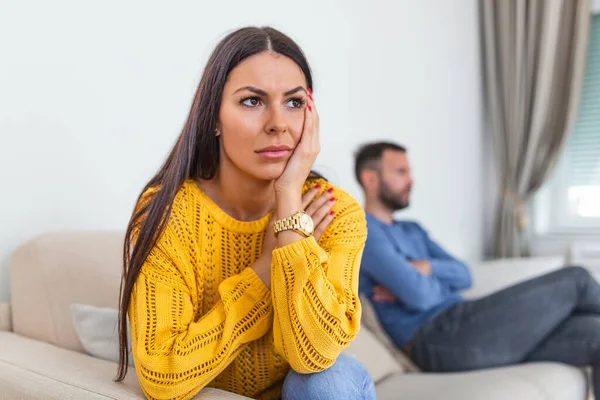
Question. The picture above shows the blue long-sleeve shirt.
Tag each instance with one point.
(386, 261)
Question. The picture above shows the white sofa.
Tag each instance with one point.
(41, 356)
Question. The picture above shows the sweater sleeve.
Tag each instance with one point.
(315, 291)
(451, 272)
(393, 271)
(178, 350)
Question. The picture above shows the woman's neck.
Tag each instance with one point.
(239, 195)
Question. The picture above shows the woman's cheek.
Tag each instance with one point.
(242, 147)
(296, 126)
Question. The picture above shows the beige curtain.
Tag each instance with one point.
(534, 57)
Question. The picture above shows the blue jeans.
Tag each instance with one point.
(346, 379)
(555, 317)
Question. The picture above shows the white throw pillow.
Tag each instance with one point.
(373, 355)
(370, 320)
(97, 331)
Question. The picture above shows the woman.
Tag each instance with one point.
(225, 281)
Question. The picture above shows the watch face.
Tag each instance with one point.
(306, 223)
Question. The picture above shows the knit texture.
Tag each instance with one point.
(201, 317)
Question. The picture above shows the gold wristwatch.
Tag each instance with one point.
(299, 222)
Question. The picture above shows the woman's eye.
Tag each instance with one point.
(251, 102)
(295, 103)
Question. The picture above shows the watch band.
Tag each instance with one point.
(293, 222)
(285, 224)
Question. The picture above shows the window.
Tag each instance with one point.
(571, 201)
(584, 147)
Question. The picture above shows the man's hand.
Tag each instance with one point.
(423, 266)
(382, 294)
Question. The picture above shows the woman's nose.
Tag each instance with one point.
(276, 123)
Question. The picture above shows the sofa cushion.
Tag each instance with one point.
(97, 329)
(494, 275)
(53, 271)
(535, 381)
(67, 367)
(17, 383)
(65, 374)
(373, 355)
(370, 320)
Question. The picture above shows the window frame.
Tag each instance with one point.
(550, 206)
(553, 201)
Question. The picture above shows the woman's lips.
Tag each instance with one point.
(274, 154)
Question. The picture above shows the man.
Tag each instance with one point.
(415, 286)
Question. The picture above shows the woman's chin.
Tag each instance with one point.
(269, 172)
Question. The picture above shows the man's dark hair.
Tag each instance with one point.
(370, 153)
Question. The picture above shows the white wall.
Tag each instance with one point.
(93, 95)
(417, 68)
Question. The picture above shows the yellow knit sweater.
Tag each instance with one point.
(201, 317)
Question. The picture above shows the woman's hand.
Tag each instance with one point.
(288, 187)
(319, 208)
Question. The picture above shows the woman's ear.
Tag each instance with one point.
(218, 129)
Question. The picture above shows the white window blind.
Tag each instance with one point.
(570, 204)
(584, 149)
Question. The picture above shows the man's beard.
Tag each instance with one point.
(391, 200)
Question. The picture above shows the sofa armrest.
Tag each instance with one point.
(5, 319)
(491, 276)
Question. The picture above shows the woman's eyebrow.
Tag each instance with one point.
(294, 90)
(263, 93)
(252, 89)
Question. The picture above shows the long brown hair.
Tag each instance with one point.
(194, 155)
